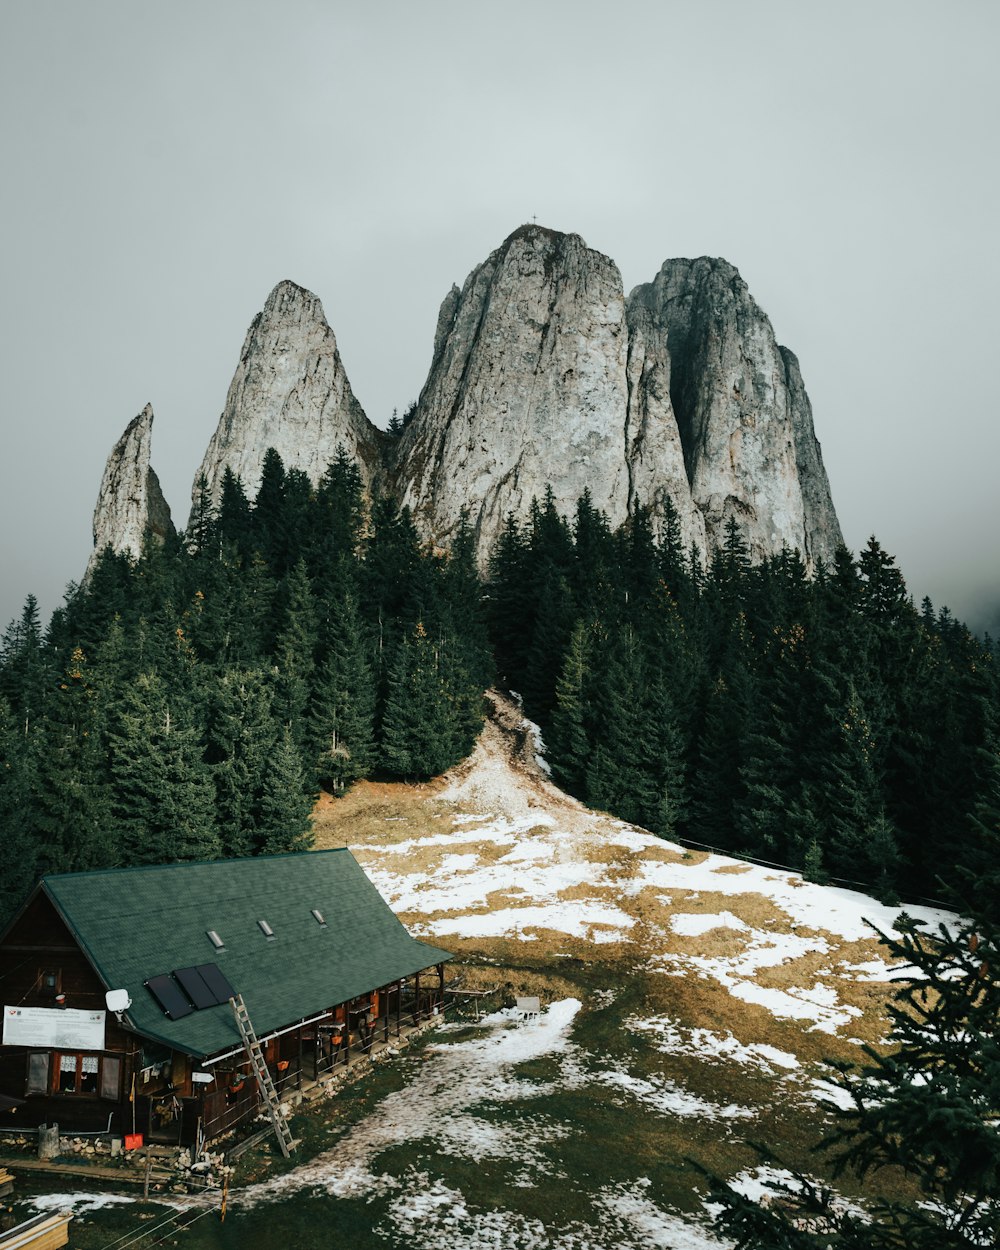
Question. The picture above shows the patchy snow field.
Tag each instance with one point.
(740, 980)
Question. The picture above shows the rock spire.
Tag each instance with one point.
(741, 411)
(289, 392)
(130, 503)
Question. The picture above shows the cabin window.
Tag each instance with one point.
(111, 1072)
(50, 980)
(38, 1072)
(67, 1074)
(88, 1074)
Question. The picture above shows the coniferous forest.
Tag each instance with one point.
(193, 703)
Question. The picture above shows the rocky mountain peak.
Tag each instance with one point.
(741, 412)
(130, 503)
(527, 388)
(290, 391)
(543, 375)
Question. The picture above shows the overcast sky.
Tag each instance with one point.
(164, 165)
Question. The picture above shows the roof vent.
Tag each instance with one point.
(318, 917)
(216, 941)
(266, 929)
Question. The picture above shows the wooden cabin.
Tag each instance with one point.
(325, 969)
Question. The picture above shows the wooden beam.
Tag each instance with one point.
(45, 1232)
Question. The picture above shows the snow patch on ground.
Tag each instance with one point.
(696, 924)
(596, 922)
(876, 970)
(764, 1183)
(832, 1095)
(846, 913)
(455, 1080)
(672, 1039)
(632, 1209)
(669, 1098)
(738, 974)
(76, 1202)
(538, 743)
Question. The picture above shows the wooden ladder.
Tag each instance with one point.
(264, 1083)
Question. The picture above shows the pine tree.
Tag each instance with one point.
(239, 739)
(285, 820)
(23, 666)
(162, 800)
(293, 652)
(568, 742)
(418, 738)
(19, 851)
(341, 716)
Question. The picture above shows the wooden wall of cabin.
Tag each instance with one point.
(39, 949)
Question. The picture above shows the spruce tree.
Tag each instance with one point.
(567, 737)
(69, 811)
(202, 532)
(285, 809)
(162, 797)
(293, 652)
(339, 517)
(511, 603)
(623, 776)
(341, 715)
(419, 730)
(239, 740)
(23, 665)
(19, 849)
(234, 523)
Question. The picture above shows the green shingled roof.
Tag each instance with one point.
(135, 923)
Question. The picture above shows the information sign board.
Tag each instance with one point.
(53, 1028)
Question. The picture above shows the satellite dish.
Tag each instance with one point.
(117, 1000)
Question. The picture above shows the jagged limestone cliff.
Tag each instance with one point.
(543, 375)
(130, 503)
(741, 411)
(526, 388)
(290, 392)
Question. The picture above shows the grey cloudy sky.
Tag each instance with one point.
(164, 165)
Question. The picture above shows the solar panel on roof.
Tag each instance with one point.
(193, 985)
(168, 994)
(216, 980)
